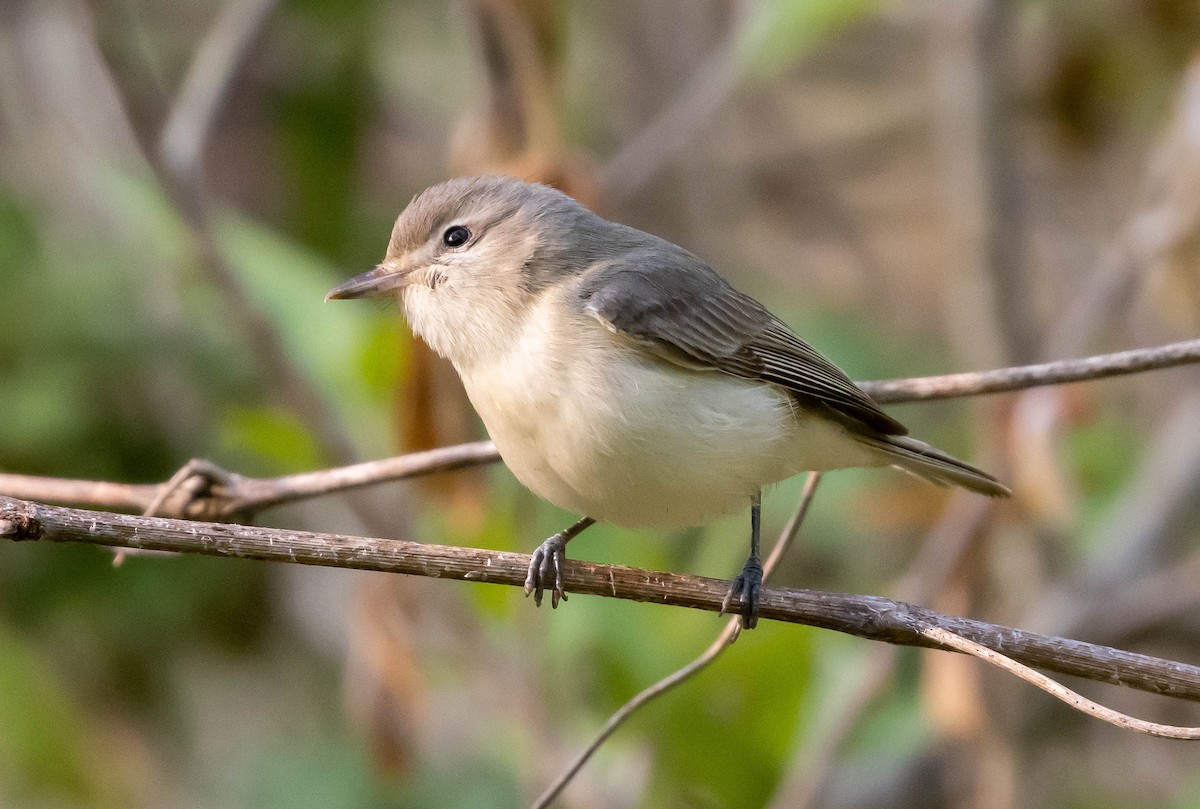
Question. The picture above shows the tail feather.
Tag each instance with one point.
(936, 466)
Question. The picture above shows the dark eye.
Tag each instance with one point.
(455, 236)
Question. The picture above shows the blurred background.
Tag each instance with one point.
(917, 187)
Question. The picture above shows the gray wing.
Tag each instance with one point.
(679, 308)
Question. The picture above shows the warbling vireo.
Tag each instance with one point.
(620, 377)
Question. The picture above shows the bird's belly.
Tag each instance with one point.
(635, 441)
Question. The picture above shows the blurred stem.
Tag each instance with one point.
(1005, 229)
(991, 306)
(702, 96)
(181, 147)
(207, 85)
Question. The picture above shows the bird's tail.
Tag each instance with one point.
(934, 465)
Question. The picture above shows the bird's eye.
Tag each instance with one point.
(456, 236)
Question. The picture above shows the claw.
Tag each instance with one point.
(548, 561)
(747, 588)
(547, 566)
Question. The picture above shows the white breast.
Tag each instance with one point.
(598, 427)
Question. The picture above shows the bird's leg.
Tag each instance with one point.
(748, 586)
(547, 564)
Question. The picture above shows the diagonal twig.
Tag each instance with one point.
(703, 95)
(207, 84)
(723, 641)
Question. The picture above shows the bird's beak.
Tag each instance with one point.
(372, 283)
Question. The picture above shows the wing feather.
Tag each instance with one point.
(679, 308)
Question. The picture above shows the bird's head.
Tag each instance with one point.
(468, 256)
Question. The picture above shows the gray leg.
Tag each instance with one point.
(748, 586)
(547, 564)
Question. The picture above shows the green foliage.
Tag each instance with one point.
(288, 284)
(1105, 454)
(724, 738)
(327, 773)
(267, 441)
(47, 754)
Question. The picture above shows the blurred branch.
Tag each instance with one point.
(701, 97)
(870, 617)
(214, 493)
(1006, 234)
(207, 85)
(980, 166)
(1168, 593)
(181, 150)
(722, 642)
(1129, 558)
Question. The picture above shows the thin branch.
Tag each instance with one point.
(975, 383)
(97, 493)
(871, 617)
(723, 641)
(1057, 690)
(216, 494)
(228, 495)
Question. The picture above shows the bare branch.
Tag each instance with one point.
(208, 82)
(871, 617)
(101, 494)
(210, 492)
(975, 383)
(1054, 689)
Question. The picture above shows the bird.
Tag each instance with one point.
(621, 377)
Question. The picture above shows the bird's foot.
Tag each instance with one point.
(546, 568)
(748, 588)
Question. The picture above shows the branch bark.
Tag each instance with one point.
(870, 617)
(216, 494)
(975, 383)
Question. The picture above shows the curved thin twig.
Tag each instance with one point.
(1077, 701)
(723, 641)
(932, 567)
